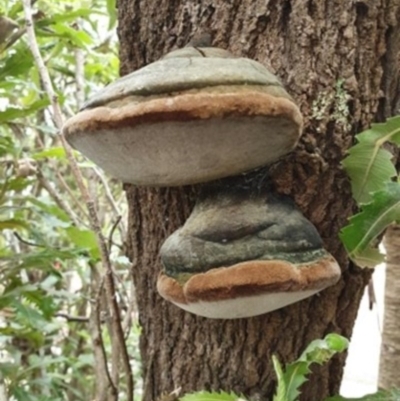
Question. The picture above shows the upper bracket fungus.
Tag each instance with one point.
(181, 120)
(200, 115)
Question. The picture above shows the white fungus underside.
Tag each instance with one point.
(180, 153)
(245, 306)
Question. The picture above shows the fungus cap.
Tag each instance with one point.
(249, 288)
(194, 116)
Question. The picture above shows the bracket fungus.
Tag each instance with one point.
(181, 120)
(242, 253)
(196, 116)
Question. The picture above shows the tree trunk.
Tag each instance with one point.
(337, 59)
(389, 366)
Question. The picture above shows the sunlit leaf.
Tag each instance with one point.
(17, 64)
(295, 374)
(369, 166)
(6, 146)
(111, 10)
(12, 113)
(57, 152)
(68, 16)
(363, 228)
(76, 37)
(85, 239)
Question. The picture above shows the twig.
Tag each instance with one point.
(101, 367)
(69, 318)
(71, 194)
(57, 198)
(24, 241)
(127, 323)
(109, 195)
(79, 77)
(94, 220)
(115, 225)
(12, 39)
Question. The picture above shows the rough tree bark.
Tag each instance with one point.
(330, 54)
(389, 365)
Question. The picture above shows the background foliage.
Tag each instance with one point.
(47, 251)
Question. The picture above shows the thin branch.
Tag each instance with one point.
(71, 194)
(109, 195)
(24, 241)
(57, 198)
(127, 323)
(103, 377)
(79, 77)
(69, 318)
(94, 219)
(115, 225)
(12, 39)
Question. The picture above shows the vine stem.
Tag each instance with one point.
(118, 341)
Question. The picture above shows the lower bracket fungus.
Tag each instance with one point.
(198, 115)
(243, 254)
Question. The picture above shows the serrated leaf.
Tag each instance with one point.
(336, 342)
(382, 395)
(211, 396)
(364, 227)
(280, 392)
(368, 165)
(295, 373)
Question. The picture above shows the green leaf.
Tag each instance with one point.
(369, 168)
(6, 146)
(383, 395)
(12, 113)
(12, 224)
(85, 239)
(48, 208)
(30, 315)
(57, 152)
(295, 373)
(76, 37)
(366, 226)
(19, 63)
(111, 10)
(69, 16)
(281, 386)
(44, 259)
(368, 165)
(210, 396)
